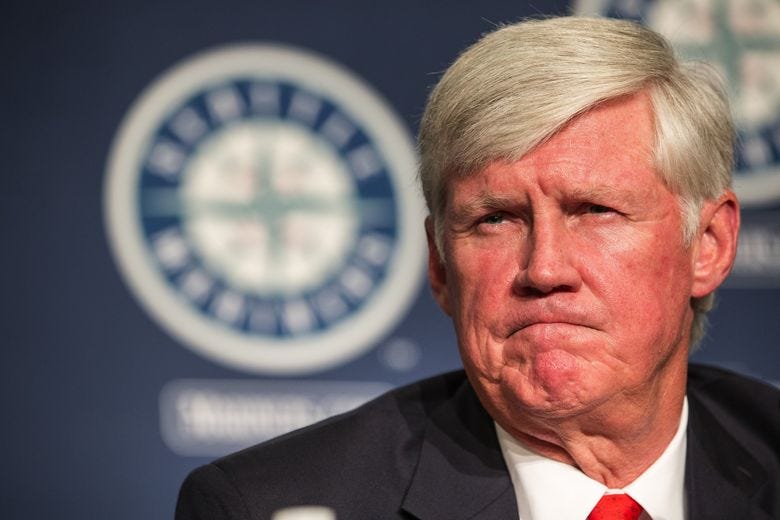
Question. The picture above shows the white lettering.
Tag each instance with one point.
(364, 162)
(305, 107)
(229, 306)
(262, 318)
(338, 129)
(298, 316)
(208, 417)
(756, 151)
(374, 248)
(330, 305)
(189, 126)
(758, 252)
(224, 104)
(166, 159)
(356, 282)
(171, 250)
(196, 285)
(264, 99)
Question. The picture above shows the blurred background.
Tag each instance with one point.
(212, 233)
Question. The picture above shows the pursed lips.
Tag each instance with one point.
(558, 318)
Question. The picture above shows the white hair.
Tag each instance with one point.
(519, 85)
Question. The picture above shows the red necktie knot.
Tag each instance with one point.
(616, 507)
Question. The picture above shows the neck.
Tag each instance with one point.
(615, 442)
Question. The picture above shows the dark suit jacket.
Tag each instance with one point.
(429, 451)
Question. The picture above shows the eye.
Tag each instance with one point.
(493, 219)
(597, 209)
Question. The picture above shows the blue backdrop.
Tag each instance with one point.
(88, 374)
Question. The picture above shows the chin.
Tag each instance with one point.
(547, 390)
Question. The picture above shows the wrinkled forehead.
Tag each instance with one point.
(615, 136)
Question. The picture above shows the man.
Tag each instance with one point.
(581, 218)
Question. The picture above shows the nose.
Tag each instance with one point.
(547, 260)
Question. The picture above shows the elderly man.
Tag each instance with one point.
(577, 177)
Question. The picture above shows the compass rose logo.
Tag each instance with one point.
(260, 202)
(742, 39)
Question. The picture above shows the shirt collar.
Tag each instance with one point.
(548, 489)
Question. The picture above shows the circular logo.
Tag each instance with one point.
(741, 38)
(261, 205)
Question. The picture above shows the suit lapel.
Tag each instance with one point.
(461, 472)
(721, 477)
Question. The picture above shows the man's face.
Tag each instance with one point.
(566, 273)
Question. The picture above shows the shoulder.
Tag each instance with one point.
(369, 451)
(733, 453)
(725, 404)
(736, 396)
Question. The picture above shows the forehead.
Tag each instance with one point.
(608, 148)
(621, 129)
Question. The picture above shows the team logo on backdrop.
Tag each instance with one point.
(742, 39)
(260, 202)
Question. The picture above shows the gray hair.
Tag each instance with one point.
(519, 85)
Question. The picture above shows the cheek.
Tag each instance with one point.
(480, 289)
(663, 275)
(648, 292)
(481, 280)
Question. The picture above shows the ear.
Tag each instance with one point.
(437, 272)
(717, 244)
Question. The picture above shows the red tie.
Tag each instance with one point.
(616, 507)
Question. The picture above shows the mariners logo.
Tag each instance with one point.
(742, 39)
(260, 202)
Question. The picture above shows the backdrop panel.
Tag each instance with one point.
(213, 233)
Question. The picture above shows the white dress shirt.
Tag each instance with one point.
(550, 490)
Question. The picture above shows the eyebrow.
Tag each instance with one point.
(482, 202)
(606, 193)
